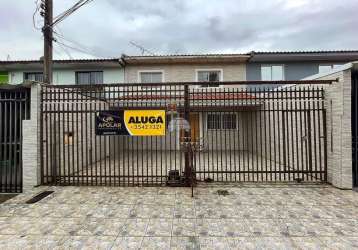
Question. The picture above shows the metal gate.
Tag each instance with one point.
(236, 134)
(355, 127)
(14, 107)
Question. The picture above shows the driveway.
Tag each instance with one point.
(248, 217)
(153, 167)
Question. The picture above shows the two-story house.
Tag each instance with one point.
(206, 69)
(77, 71)
(275, 66)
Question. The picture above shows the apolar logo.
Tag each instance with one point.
(145, 119)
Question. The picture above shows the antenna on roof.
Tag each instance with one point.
(142, 49)
(8, 57)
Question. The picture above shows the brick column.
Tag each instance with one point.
(339, 130)
(30, 143)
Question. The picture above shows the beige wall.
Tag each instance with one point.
(186, 72)
(339, 129)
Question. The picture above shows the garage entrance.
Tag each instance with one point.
(236, 134)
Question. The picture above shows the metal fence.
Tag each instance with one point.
(355, 127)
(14, 108)
(237, 134)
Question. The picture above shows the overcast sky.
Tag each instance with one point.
(105, 28)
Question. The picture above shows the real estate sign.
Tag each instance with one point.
(131, 122)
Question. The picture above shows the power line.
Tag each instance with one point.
(73, 44)
(68, 12)
(65, 50)
(78, 49)
(61, 46)
(141, 48)
(61, 36)
(34, 15)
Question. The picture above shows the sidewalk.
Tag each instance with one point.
(249, 217)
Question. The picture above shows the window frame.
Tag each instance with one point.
(207, 121)
(272, 65)
(88, 71)
(235, 119)
(222, 121)
(208, 70)
(331, 65)
(32, 72)
(139, 78)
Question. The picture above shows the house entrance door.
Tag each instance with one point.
(195, 126)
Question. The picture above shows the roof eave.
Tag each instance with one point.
(135, 60)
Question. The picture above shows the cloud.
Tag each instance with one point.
(105, 27)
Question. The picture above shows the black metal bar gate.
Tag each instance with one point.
(237, 134)
(14, 107)
(355, 127)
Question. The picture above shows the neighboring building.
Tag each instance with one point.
(79, 71)
(267, 66)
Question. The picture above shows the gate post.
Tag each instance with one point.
(187, 136)
(31, 142)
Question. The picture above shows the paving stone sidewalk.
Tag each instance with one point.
(249, 217)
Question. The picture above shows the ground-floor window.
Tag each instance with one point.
(229, 121)
(221, 121)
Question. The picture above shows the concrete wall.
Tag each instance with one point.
(186, 73)
(68, 76)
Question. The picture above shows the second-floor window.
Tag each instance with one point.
(211, 77)
(89, 77)
(272, 72)
(34, 76)
(323, 68)
(151, 77)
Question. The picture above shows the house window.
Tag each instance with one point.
(221, 121)
(151, 77)
(272, 73)
(212, 77)
(34, 76)
(214, 121)
(324, 68)
(229, 121)
(89, 77)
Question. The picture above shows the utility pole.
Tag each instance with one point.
(48, 38)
